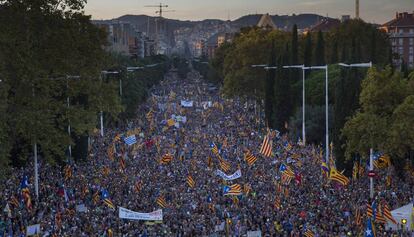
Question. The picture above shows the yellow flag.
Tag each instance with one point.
(170, 122)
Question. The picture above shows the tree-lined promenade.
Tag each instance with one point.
(367, 107)
(154, 174)
(85, 132)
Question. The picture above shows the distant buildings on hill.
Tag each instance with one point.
(125, 40)
(204, 39)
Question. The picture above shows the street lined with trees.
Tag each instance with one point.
(354, 41)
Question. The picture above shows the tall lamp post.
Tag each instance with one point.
(68, 104)
(371, 151)
(326, 106)
(36, 167)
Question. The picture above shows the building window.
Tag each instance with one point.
(401, 40)
(401, 31)
(411, 41)
(411, 31)
(410, 59)
(401, 51)
(411, 50)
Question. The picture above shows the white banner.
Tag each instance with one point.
(206, 104)
(33, 230)
(256, 233)
(162, 107)
(132, 215)
(186, 103)
(179, 118)
(226, 177)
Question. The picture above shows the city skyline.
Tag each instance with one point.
(375, 11)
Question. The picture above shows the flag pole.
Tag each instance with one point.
(371, 179)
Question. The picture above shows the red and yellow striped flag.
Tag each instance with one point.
(138, 186)
(266, 148)
(165, 159)
(68, 172)
(250, 158)
(190, 181)
(387, 213)
(161, 202)
(224, 165)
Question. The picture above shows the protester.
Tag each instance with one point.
(309, 203)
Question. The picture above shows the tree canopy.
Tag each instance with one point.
(50, 52)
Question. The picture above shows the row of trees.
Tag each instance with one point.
(49, 52)
(385, 119)
(354, 41)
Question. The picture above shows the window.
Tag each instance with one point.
(401, 40)
(410, 59)
(401, 31)
(411, 31)
(401, 51)
(411, 50)
(411, 41)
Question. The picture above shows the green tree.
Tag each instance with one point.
(319, 50)
(334, 53)
(386, 109)
(372, 43)
(269, 89)
(48, 41)
(315, 123)
(307, 57)
(216, 72)
(282, 105)
(294, 58)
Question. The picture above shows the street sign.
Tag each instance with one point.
(372, 174)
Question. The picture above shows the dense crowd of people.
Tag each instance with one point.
(71, 199)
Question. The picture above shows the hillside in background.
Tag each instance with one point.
(283, 22)
(146, 23)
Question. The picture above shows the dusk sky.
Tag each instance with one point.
(376, 11)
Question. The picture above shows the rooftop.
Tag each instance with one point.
(401, 19)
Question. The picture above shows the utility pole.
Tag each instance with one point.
(357, 9)
(36, 167)
(158, 22)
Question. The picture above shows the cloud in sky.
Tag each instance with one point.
(378, 11)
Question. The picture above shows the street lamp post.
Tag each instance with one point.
(101, 114)
(120, 79)
(36, 167)
(371, 151)
(303, 100)
(326, 107)
(68, 104)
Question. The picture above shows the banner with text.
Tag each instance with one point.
(132, 215)
(186, 103)
(226, 177)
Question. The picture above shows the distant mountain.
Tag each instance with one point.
(147, 23)
(144, 22)
(283, 22)
(193, 31)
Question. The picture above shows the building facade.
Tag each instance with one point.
(401, 33)
(125, 40)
